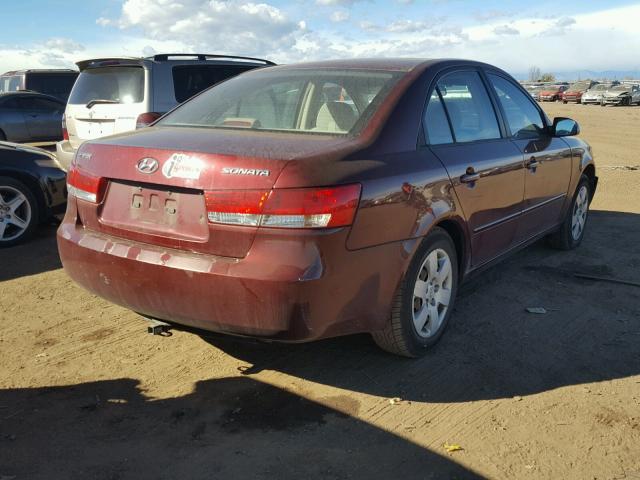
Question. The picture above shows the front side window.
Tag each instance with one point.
(110, 84)
(338, 102)
(523, 118)
(470, 110)
(436, 125)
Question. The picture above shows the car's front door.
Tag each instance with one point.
(547, 159)
(486, 169)
(43, 118)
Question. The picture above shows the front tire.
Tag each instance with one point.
(424, 301)
(571, 233)
(19, 214)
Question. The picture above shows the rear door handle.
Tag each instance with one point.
(532, 163)
(470, 177)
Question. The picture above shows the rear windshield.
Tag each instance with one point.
(113, 84)
(189, 80)
(337, 102)
(57, 84)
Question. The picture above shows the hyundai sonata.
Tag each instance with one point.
(306, 201)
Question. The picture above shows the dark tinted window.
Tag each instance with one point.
(523, 118)
(189, 80)
(35, 103)
(115, 84)
(470, 110)
(436, 126)
(56, 84)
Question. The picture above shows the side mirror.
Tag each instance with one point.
(564, 127)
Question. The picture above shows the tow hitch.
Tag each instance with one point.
(156, 327)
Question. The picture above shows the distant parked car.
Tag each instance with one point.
(623, 94)
(552, 93)
(30, 117)
(115, 95)
(576, 90)
(56, 83)
(595, 93)
(32, 189)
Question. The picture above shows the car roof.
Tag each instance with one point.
(397, 64)
(29, 93)
(39, 70)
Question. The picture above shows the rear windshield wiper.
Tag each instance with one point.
(97, 101)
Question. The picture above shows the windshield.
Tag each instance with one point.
(113, 84)
(578, 86)
(326, 101)
(621, 88)
(601, 86)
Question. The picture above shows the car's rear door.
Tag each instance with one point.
(43, 117)
(464, 131)
(547, 159)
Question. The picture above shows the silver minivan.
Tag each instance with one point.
(115, 95)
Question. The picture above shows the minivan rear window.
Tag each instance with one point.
(113, 84)
(189, 80)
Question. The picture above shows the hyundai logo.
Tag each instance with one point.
(147, 165)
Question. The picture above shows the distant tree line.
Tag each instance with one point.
(535, 75)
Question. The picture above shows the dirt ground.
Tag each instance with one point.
(86, 393)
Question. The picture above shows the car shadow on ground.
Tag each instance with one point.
(39, 254)
(227, 428)
(493, 347)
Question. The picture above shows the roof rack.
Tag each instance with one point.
(204, 56)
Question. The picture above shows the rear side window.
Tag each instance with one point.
(523, 117)
(10, 83)
(113, 84)
(188, 80)
(56, 84)
(41, 104)
(436, 125)
(469, 107)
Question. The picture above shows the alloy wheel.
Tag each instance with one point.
(15, 213)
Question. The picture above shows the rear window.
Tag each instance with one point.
(189, 80)
(56, 84)
(324, 101)
(113, 84)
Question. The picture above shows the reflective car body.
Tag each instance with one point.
(30, 117)
(552, 93)
(576, 90)
(623, 94)
(181, 223)
(595, 93)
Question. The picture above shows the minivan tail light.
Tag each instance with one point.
(325, 207)
(146, 119)
(84, 186)
(65, 133)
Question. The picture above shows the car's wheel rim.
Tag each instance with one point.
(15, 213)
(432, 293)
(579, 216)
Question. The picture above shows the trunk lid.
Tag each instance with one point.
(160, 200)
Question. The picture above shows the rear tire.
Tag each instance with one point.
(425, 298)
(19, 214)
(571, 233)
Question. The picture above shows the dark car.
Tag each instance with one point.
(32, 190)
(30, 117)
(313, 200)
(54, 82)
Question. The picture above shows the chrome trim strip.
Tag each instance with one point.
(513, 215)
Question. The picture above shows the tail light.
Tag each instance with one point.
(325, 207)
(84, 186)
(146, 119)
(65, 133)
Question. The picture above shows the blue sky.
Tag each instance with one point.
(512, 34)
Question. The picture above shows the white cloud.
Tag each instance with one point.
(340, 16)
(505, 30)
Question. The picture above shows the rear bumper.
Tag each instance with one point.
(287, 288)
(64, 154)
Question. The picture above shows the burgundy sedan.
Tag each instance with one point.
(307, 201)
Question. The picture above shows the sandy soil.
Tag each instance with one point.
(86, 393)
